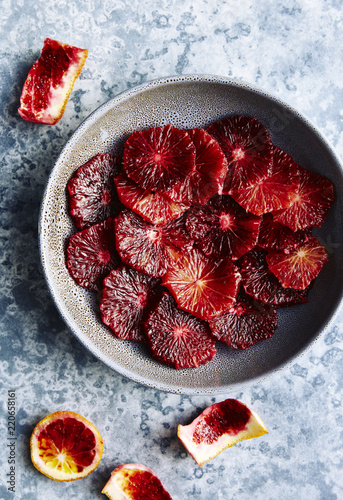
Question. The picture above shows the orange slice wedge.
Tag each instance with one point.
(65, 446)
(50, 81)
(134, 482)
(218, 427)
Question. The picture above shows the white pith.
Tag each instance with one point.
(59, 96)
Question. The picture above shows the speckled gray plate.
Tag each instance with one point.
(192, 101)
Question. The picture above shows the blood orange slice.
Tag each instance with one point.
(275, 192)
(260, 283)
(148, 248)
(275, 236)
(91, 254)
(159, 157)
(126, 296)
(210, 171)
(218, 427)
(134, 482)
(154, 207)
(297, 267)
(50, 81)
(177, 338)
(65, 446)
(201, 285)
(222, 228)
(248, 149)
(245, 323)
(311, 204)
(92, 196)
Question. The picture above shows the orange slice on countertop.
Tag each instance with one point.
(218, 427)
(50, 81)
(134, 482)
(65, 446)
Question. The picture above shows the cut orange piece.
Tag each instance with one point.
(203, 286)
(65, 446)
(218, 427)
(297, 267)
(275, 192)
(249, 151)
(50, 81)
(310, 205)
(154, 207)
(159, 157)
(134, 482)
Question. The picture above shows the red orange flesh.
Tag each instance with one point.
(311, 203)
(91, 192)
(159, 157)
(154, 207)
(177, 338)
(297, 267)
(210, 171)
(248, 149)
(276, 191)
(201, 285)
(245, 323)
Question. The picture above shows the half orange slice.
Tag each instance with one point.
(65, 446)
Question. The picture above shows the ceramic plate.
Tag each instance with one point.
(185, 102)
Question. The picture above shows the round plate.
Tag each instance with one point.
(185, 102)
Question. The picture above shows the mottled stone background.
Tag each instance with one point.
(294, 50)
